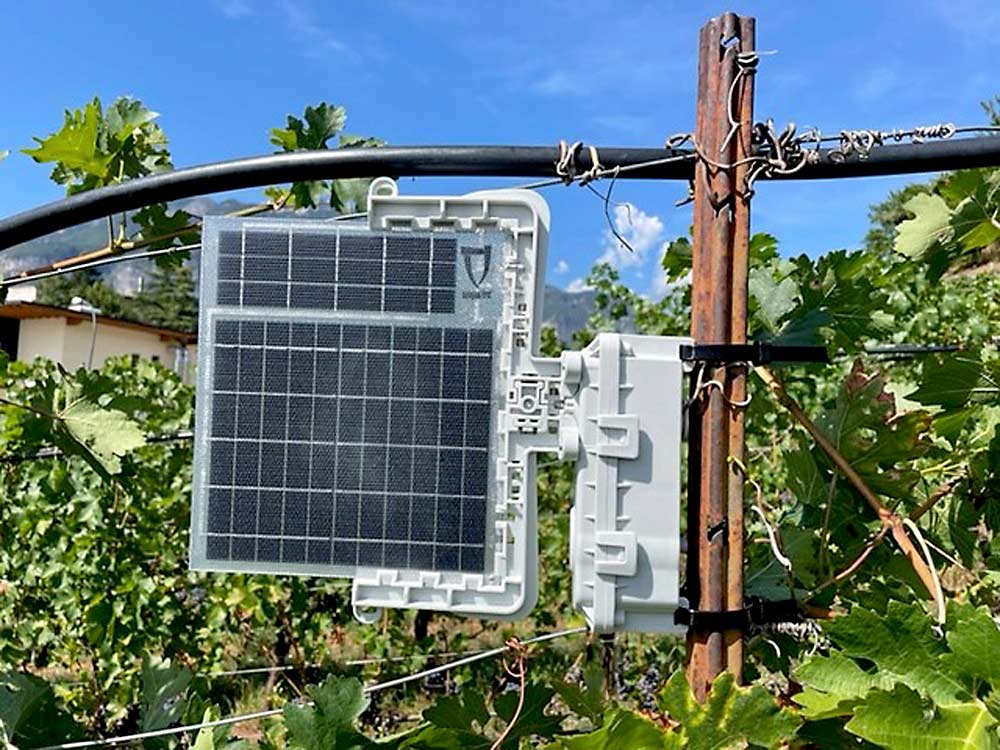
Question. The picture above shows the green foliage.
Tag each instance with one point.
(168, 299)
(93, 149)
(60, 290)
(313, 132)
(328, 724)
(902, 686)
(30, 714)
(730, 716)
(954, 224)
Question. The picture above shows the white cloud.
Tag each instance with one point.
(558, 83)
(318, 41)
(562, 267)
(234, 8)
(639, 229)
(577, 285)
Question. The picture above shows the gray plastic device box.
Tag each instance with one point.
(615, 407)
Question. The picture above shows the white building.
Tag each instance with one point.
(29, 330)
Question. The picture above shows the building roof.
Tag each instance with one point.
(23, 310)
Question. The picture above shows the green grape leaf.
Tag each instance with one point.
(619, 730)
(154, 221)
(774, 297)
(901, 720)
(458, 712)
(320, 124)
(948, 382)
(930, 225)
(730, 716)
(532, 719)
(902, 646)
(834, 684)
(95, 148)
(163, 693)
(763, 248)
(974, 640)
(29, 713)
(75, 144)
(102, 436)
(585, 700)
(329, 723)
(676, 260)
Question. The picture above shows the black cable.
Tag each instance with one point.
(469, 161)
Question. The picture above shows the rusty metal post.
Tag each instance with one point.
(718, 315)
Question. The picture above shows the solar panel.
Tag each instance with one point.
(349, 444)
(335, 443)
(354, 403)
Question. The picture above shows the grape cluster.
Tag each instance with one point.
(647, 687)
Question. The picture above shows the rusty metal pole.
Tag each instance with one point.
(718, 315)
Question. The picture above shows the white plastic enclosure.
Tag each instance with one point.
(615, 407)
(622, 421)
(524, 424)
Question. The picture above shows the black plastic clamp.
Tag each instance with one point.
(757, 352)
(756, 612)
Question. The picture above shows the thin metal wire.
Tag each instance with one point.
(134, 255)
(240, 718)
(348, 663)
(121, 258)
(54, 452)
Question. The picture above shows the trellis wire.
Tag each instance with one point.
(240, 718)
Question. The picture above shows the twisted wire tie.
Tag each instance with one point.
(519, 672)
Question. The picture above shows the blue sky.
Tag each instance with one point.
(223, 72)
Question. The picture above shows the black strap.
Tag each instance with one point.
(756, 612)
(757, 352)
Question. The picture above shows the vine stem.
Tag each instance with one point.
(891, 521)
(32, 409)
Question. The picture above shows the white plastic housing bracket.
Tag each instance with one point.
(622, 420)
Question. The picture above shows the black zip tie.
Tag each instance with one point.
(756, 352)
(757, 612)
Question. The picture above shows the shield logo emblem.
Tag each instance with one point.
(477, 263)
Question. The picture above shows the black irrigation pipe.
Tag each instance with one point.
(468, 161)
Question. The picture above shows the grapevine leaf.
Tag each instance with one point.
(903, 648)
(948, 382)
(532, 719)
(154, 221)
(102, 436)
(676, 260)
(458, 712)
(730, 716)
(931, 223)
(763, 248)
(619, 729)
(775, 298)
(879, 443)
(163, 693)
(974, 640)
(586, 700)
(75, 144)
(900, 720)
(29, 713)
(329, 723)
(833, 685)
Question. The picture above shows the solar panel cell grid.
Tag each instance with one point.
(349, 444)
(336, 271)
